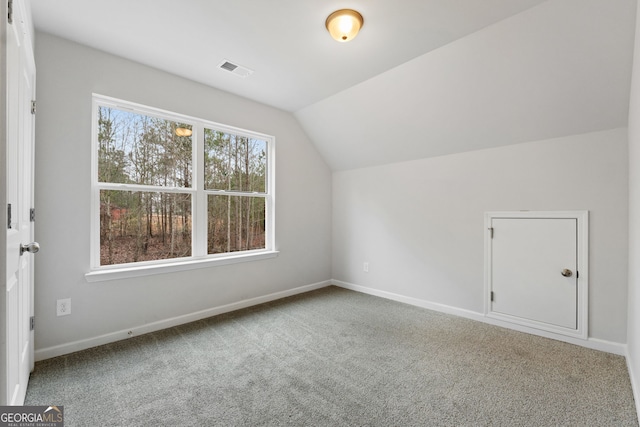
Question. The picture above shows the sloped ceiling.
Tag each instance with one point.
(424, 78)
(560, 68)
(296, 62)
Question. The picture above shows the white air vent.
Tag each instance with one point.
(235, 69)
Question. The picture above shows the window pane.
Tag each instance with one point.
(144, 226)
(234, 163)
(235, 223)
(138, 149)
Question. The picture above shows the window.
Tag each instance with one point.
(169, 188)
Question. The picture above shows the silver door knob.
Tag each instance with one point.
(567, 273)
(32, 248)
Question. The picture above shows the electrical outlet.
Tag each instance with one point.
(63, 307)
(365, 267)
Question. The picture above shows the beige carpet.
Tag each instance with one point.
(334, 357)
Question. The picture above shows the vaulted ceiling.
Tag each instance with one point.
(423, 78)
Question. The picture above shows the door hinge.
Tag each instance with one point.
(491, 231)
(9, 215)
(32, 323)
(10, 12)
(32, 214)
(492, 296)
(33, 107)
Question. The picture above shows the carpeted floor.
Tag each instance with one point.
(334, 357)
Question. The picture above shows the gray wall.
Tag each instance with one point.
(633, 327)
(420, 224)
(68, 73)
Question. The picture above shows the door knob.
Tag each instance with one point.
(567, 273)
(32, 248)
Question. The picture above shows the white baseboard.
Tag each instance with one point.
(62, 349)
(592, 343)
(412, 301)
(635, 385)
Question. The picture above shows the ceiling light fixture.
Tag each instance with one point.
(344, 24)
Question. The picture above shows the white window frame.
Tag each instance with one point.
(199, 257)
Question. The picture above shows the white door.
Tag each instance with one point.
(19, 194)
(529, 258)
(535, 272)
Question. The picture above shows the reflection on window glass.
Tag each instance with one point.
(234, 163)
(143, 226)
(235, 223)
(138, 149)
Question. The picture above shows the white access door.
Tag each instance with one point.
(535, 268)
(19, 193)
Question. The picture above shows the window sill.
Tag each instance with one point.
(115, 273)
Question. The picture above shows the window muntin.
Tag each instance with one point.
(171, 188)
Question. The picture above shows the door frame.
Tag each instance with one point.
(3, 203)
(582, 247)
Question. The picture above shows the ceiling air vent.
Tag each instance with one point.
(228, 66)
(235, 69)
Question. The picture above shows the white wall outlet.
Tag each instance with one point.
(63, 307)
(365, 267)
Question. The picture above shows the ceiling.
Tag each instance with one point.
(285, 43)
(561, 68)
(423, 78)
